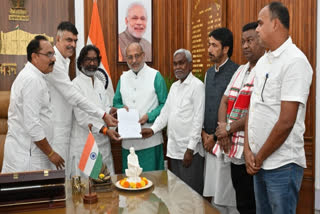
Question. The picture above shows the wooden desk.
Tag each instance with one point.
(168, 195)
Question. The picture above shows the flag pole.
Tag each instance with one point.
(91, 197)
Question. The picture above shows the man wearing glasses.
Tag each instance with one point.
(64, 95)
(27, 146)
(144, 89)
(93, 89)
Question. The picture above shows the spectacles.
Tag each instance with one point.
(88, 60)
(49, 54)
(136, 56)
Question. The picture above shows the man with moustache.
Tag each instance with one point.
(27, 146)
(144, 89)
(93, 89)
(64, 95)
(217, 175)
(232, 114)
(183, 115)
(274, 143)
(136, 21)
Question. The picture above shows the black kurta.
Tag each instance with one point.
(216, 84)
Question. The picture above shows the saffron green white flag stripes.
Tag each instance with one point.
(91, 159)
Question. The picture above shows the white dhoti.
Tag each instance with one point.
(217, 181)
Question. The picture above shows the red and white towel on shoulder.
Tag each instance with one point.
(238, 104)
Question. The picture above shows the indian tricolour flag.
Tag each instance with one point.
(91, 159)
(96, 38)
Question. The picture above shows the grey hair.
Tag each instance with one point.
(134, 4)
(60, 33)
(185, 52)
(136, 44)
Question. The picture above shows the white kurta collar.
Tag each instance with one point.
(87, 79)
(277, 53)
(188, 80)
(33, 68)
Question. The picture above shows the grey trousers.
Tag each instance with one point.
(193, 175)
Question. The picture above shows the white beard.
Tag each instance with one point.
(88, 73)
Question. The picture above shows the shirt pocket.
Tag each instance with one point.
(185, 106)
(271, 92)
(46, 98)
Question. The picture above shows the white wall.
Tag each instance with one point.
(79, 23)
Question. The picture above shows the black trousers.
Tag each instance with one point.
(193, 175)
(243, 185)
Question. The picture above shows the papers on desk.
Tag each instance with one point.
(129, 126)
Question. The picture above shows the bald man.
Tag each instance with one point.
(144, 89)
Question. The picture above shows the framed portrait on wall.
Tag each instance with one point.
(134, 25)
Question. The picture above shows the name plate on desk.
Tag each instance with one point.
(32, 190)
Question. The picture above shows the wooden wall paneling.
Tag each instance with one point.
(205, 16)
(44, 17)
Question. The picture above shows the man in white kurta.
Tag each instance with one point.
(27, 146)
(63, 94)
(93, 89)
(183, 114)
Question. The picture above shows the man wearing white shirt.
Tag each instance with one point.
(183, 115)
(63, 94)
(274, 143)
(27, 146)
(93, 89)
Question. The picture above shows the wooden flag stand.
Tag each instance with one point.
(91, 197)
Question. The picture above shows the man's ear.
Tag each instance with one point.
(34, 58)
(126, 20)
(57, 38)
(276, 24)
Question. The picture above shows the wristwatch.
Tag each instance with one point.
(228, 127)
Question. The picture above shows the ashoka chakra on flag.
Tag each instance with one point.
(91, 159)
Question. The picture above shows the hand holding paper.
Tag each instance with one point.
(129, 126)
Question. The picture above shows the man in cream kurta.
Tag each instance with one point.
(93, 89)
(144, 89)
